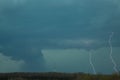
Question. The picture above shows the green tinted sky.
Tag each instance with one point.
(29, 27)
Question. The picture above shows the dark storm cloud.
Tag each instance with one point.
(41, 24)
(63, 20)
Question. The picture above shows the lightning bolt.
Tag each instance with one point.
(90, 60)
(111, 52)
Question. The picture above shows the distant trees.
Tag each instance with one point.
(100, 77)
(57, 76)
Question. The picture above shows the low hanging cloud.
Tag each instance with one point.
(76, 43)
(9, 65)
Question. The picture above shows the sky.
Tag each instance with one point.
(44, 35)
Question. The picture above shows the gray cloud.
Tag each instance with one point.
(8, 65)
(44, 24)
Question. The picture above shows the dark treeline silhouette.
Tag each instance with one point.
(36, 76)
(57, 76)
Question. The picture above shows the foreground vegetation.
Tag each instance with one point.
(98, 77)
(57, 76)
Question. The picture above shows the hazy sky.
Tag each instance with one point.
(58, 34)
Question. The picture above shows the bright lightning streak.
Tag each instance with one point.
(111, 52)
(90, 60)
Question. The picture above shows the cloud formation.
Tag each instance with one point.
(95, 20)
(61, 24)
(9, 65)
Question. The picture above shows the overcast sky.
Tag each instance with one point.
(56, 29)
